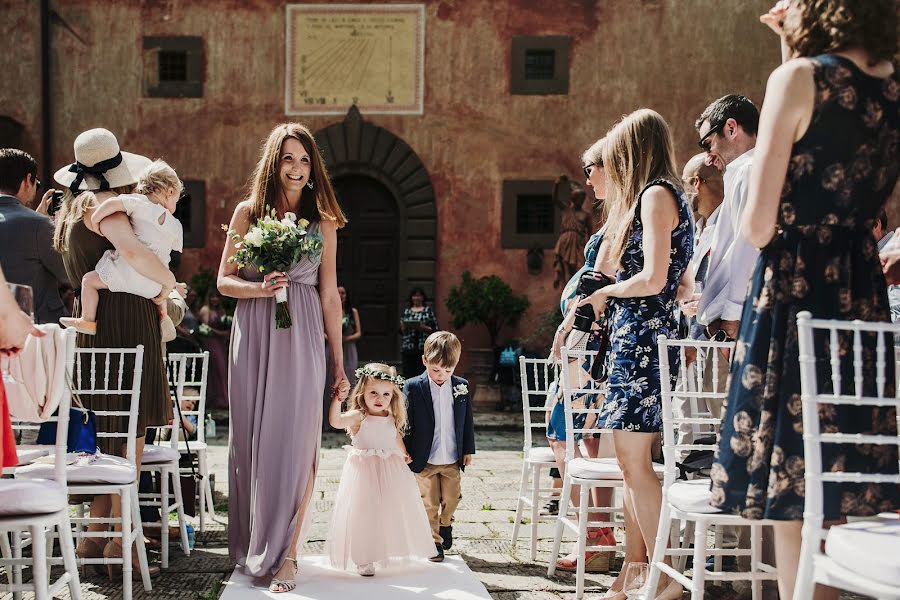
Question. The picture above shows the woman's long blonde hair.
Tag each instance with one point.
(316, 204)
(638, 150)
(71, 211)
(398, 400)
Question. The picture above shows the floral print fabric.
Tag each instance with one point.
(824, 259)
(414, 340)
(633, 389)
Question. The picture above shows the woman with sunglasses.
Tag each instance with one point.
(648, 246)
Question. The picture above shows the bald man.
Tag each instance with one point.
(707, 189)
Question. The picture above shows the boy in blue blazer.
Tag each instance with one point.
(441, 435)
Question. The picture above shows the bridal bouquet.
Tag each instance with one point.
(275, 245)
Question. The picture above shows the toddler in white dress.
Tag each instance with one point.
(151, 212)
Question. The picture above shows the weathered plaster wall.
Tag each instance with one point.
(671, 55)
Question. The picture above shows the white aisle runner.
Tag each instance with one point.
(316, 580)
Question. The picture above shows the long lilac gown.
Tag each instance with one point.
(275, 386)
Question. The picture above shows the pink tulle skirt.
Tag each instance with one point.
(378, 513)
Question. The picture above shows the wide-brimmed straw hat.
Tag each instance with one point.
(99, 164)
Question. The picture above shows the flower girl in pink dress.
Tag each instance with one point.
(378, 514)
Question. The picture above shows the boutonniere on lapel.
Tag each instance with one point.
(460, 390)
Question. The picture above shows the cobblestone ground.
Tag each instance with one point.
(482, 531)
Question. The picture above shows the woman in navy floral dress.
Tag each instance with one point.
(649, 243)
(828, 157)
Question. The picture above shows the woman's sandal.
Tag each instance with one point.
(594, 561)
(91, 548)
(281, 586)
(113, 550)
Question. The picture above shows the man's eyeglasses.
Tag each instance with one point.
(37, 182)
(705, 142)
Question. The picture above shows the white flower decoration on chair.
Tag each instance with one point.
(460, 390)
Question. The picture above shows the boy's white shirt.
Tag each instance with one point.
(443, 443)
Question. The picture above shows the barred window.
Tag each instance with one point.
(539, 64)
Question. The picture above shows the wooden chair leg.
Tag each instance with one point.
(179, 502)
(535, 508)
(67, 549)
(557, 535)
(523, 487)
(40, 575)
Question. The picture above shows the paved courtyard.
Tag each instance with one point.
(482, 532)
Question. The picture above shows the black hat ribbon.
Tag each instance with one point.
(96, 170)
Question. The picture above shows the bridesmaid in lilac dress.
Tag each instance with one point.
(276, 376)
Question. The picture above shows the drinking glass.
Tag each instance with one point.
(637, 575)
(24, 296)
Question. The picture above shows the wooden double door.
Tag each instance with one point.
(367, 263)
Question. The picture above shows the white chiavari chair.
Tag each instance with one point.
(537, 374)
(861, 556)
(162, 459)
(196, 366)
(688, 501)
(39, 506)
(584, 473)
(107, 372)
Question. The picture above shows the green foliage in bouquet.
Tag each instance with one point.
(271, 245)
(487, 300)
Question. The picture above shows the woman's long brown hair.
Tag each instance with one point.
(265, 190)
(638, 150)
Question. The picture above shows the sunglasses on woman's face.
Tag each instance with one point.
(589, 168)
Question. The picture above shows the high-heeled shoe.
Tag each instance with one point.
(594, 561)
(90, 548)
(114, 550)
(281, 586)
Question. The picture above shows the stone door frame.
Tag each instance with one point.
(356, 147)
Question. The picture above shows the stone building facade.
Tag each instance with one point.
(461, 186)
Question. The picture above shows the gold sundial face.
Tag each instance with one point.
(369, 55)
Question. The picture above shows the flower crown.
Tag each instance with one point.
(366, 371)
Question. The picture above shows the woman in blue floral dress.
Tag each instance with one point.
(650, 242)
(828, 158)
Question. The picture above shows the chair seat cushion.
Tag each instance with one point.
(86, 469)
(539, 454)
(29, 454)
(601, 468)
(19, 497)
(159, 454)
(870, 549)
(195, 445)
(692, 496)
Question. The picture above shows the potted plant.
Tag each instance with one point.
(490, 302)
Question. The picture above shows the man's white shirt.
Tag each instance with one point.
(732, 258)
(443, 444)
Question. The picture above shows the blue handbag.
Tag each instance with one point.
(82, 430)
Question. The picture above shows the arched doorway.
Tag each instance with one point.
(374, 169)
(367, 262)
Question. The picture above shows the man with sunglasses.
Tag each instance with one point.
(26, 237)
(727, 130)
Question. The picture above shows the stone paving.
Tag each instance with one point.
(482, 532)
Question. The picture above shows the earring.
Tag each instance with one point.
(310, 184)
